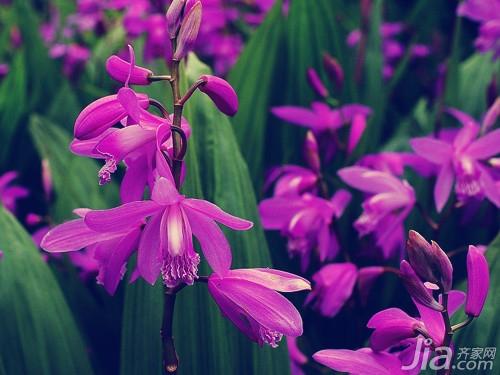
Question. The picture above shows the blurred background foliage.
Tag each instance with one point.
(52, 323)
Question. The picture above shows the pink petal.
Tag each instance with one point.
(297, 115)
(165, 192)
(369, 180)
(465, 135)
(490, 186)
(129, 101)
(358, 127)
(71, 236)
(214, 212)
(276, 213)
(118, 218)
(340, 200)
(444, 183)
(385, 317)
(463, 117)
(149, 256)
(125, 141)
(135, 179)
(179, 236)
(486, 146)
(392, 334)
(431, 149)
(478, 281)
(271, 278)
(491, 116)
(119, 70)
(212, 241)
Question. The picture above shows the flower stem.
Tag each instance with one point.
(448, 333)
(170, 358)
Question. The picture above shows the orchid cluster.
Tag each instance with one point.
(219, 38)
(487, 13)
(155, 221)
(306, 213)
(398, 338)
(393, 50)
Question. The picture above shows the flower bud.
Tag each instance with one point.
(358, 127)
(416, 288)
(188, 31)
(478, 281)
(174, 17)
(120, 69)
(102, 114)
(429, 261)
(311, 152)
(334, 70)
(316, 84)
(221, 93)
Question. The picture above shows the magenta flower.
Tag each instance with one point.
(478, 281)
(462, 160)
(393, 326)
(9, 194)
(334, 285)
(306, 221)
(316, 83)
(291, 180)
(387, 205)
(166, 244)
(487, 13)
(321, 117)
(361, 361)
(249, 299)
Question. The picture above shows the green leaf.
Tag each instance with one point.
(483, 332)
(39, 334)
(253, 78)
(74, 177)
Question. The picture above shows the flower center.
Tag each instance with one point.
(180, 269)
(268, 336)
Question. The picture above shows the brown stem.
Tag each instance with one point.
(448, 332)
(170, 358)
(191, 91)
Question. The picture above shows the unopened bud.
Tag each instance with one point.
(316, 84)
(478, 281)
(120, 70)
(221, 93)
(174, 17)
(429, 261)
(188, 31)
(416, 287)
(334, 70)
(311, 152)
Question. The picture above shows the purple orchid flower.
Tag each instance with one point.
(393, 326)
(166, 244)
(487, 13)
(390, 200)
(335, 283)
(306, 221)
(249, 298)
(321, 117)
(462, 160)
(9, 194)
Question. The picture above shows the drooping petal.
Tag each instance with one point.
(478, 281)
(118, 218)
(114, 268)
(149, 256)
(431, 149)
(266, 306)
(212, 241)
(444, 183)
(271, 278)
(214, 212)
(486, 146)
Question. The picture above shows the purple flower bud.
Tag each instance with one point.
(416, 288)
(221, 93)
(429, 261)
(120, 69)
(311, 152)
(188, 31)
(334, 70)
(174, 17)
(478, 281)
(316, 84)
(101, 115)
(358, 127)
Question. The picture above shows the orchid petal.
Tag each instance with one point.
(214, 212)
